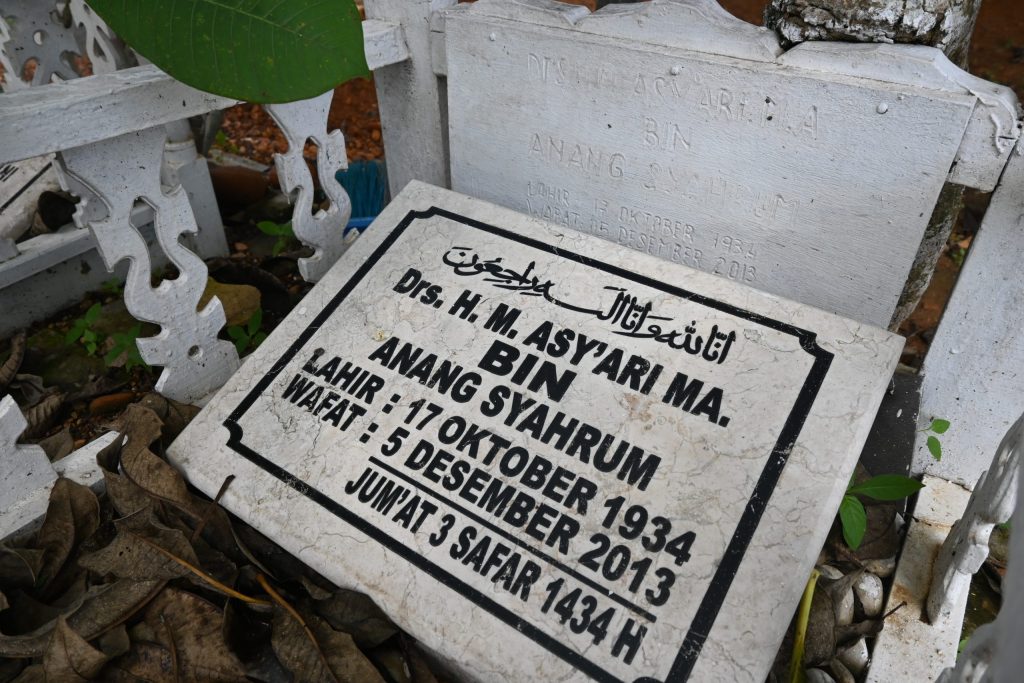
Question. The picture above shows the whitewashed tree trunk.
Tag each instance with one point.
(945, 24)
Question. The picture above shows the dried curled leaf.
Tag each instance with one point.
(58, 445)
(126, 496)
(19, 567)
(146, 662)
(10, 367)
(321, 654)
(69, 658)
(247, 633)
(191, 629)
(40, 416)
(99, 610)
(174, 415)
(72, 515)
(141, 427)
(135, 552)
(356, 614)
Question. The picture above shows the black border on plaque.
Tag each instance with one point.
(715, 595)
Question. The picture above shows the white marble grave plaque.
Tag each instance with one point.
(546, 456)
(679, 131)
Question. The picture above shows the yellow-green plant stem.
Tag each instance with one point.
(796, 664)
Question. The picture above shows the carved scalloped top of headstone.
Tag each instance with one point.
(703, 26)
(695, 25)
(674, 128)
(994, 126)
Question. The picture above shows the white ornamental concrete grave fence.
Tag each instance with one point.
(509, 433)
(145, 200)
(44, 274)
(970, 374)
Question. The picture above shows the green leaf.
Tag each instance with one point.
(75, 332)
(939, 426)
(887, 487)
(255, 321)
(280, 245)
(254, 50)
(258, 339)
(270, 228)
(854, 520)
(237, 333)
(112, 355)
(92, 314)
(934, 447)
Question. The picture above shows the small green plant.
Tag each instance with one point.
(222, 141)
(852, 515)
(82, 332)
(283, 232)
(119, 343)
(958, 254)
(936, 428)
(113, 286)
(250, 336)
(124, 343)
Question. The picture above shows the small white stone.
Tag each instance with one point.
(868, 590)
(818, 676)
(855, 657)
(844, 608)
(881, 568)
(676, 70)
(882, 108)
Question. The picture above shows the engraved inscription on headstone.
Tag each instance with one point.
(780, 178)
(546, 456)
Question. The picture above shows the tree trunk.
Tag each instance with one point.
(945, 24)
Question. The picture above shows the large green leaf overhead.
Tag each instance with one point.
(255, 50)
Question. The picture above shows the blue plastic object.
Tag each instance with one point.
(366, 183)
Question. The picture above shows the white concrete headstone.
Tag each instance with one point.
(546, 456)
(682, 132)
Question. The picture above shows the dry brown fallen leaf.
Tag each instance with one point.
(356, 614)
(10, 367)
(191, 629)
(320, 655)
(145, 663)
(144, 468)
(133, 553)
(72, 515)
(41, 415)
(155, 583)
(100, 609)
(69, 658)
